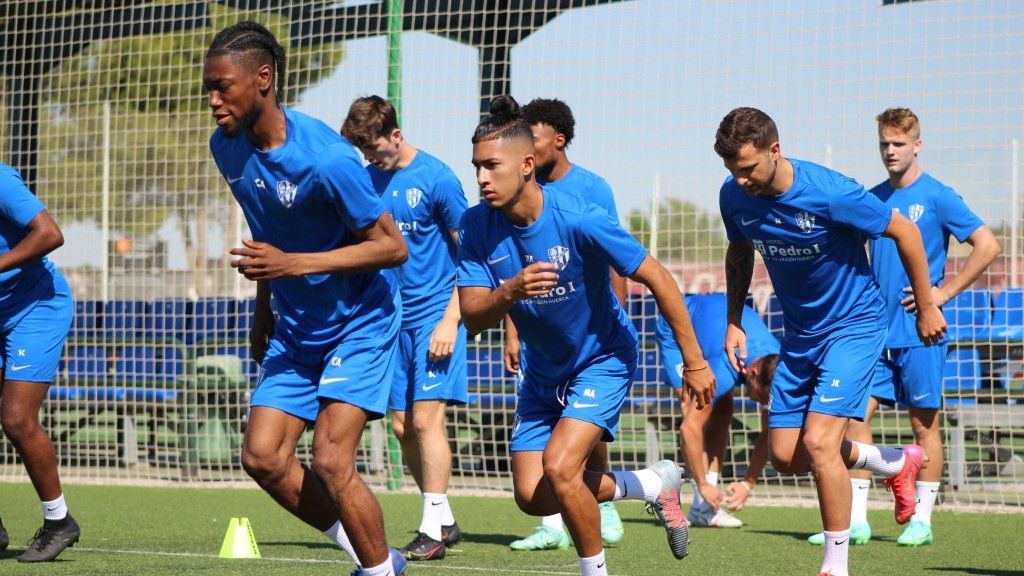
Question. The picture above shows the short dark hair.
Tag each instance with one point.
(369, 118)
(252, 43)
(552, 112)
(745, 126)
(504, 122)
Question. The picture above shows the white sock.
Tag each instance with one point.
(385, 569)
(56, 509)
(699, 503)
(926, 494)
(594, 565)
(554, 522)
(447, 518)
(337, 535)
(640, 485)
(433, 510)
(859, 509)
(837, 551)
(886, 462)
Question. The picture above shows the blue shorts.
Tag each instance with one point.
(829, 377)
(595, 394)
(356, 371)
(33, 340)
(910, 376)
(417, 378)
(725, 377)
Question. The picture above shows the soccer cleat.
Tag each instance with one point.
(903, 485)
(5, 540)
(860, 533)
(666, 506)
(712, 519)
(611, 525)
(398, 564)
(50, 540)
(451, 535)
(423, 547)
(916, 533)
(544, 538)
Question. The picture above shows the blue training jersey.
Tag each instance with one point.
(18, 207)
(939, 213)
(709, 315)
(579, 319)
(426, 200)
(308, 195)
(589, 186)
(812, 238)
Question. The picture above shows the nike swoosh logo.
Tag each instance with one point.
(436, 503)
(840, 542)
(577, 404)
(431, 387)
(601, 565)
(233, 180)
(496, 260)
(22, 367)
(48, 509)
(332, 380)
(826, 400)
(748, 222)
(925, 395)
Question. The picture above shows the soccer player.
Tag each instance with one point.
(553, 127)
(36, 310)
(809, 224)
(426, 200)
(704, 434)
(321, 234)
(543, 258)
(908, 372)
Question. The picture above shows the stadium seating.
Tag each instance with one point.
(969, 315)
(1008, 315)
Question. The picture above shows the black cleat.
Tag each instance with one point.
(50, 540)
(451, 535)
(5, 540)
(423, 547)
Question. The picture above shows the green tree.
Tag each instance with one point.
(160, 127)
(685, 232)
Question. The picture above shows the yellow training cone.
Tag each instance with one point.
(239, 542)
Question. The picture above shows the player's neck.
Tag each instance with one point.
(406, 154)
(784, 176)
(270, 130)
(907, 177)
(527, 206)
(562, 167)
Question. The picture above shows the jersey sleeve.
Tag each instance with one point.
(610, 241)
(956, 217)
(347, 185)
(471, 268)
(17, 203)
(450, 201)
(725, 207)
(850, 204)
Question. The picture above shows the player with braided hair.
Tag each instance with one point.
(321, 235)
(543, 259)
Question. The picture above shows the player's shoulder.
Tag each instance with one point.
(10, 176)
(822, 178)
(931, 184)
(315, 137)
(433, 170)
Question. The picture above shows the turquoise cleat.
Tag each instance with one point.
(917, 533)
(543, 539)
(611, 525)
(860, 533)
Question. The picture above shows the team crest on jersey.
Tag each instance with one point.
(914, 212)
(286, 193)
(559, 256)
(805, 220)
(413, 196)
(759, 246)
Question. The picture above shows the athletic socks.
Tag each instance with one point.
(337, 535)
(56, 509)
(554, 522)
(640, 485)
(886, 462)
(594, 565)
(926, 494)
(859, 510)
(837, 549)
(433, 513)
(698, 501)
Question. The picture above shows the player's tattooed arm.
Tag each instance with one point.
(739, 269)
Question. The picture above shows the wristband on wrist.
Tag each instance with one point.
(749, 486)
(704, 367)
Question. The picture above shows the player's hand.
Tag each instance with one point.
(736, 495)
(711, 494)
(699, 386)
(735, 346)
(910, 304)
(261, 261)
(510, 355)
(931, 325)
(260, 333)
(537, 279)
(442, 340)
